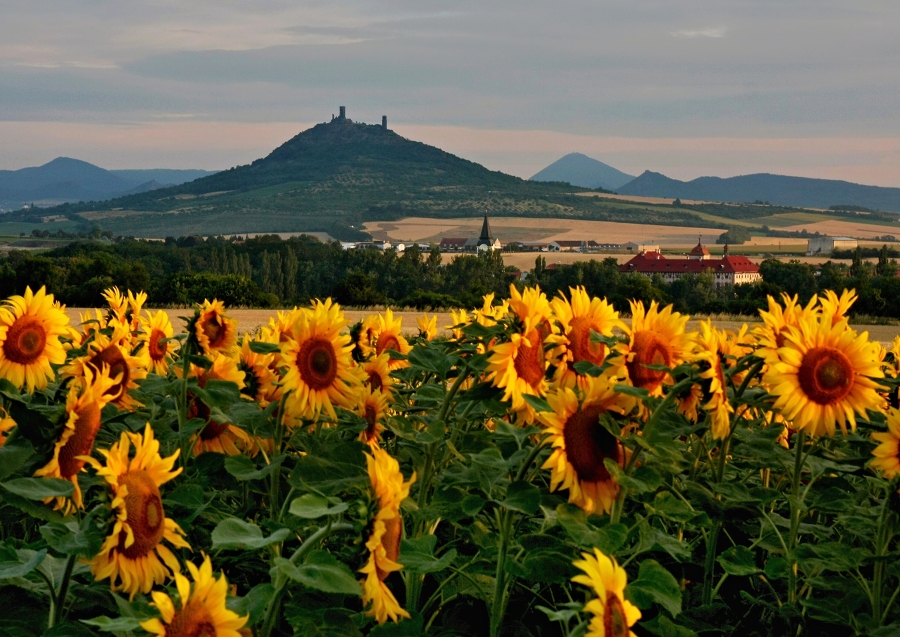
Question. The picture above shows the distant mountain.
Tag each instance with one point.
(581, 170)
(775, 189)
(66, 179)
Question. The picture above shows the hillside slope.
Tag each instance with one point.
(775, 189)
(581, 170)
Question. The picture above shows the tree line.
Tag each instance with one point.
(270, 272)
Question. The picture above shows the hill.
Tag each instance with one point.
(581, 170)
(66, 179)
(778, 190)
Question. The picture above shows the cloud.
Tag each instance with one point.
(716, 32)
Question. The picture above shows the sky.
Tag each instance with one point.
(688, 88)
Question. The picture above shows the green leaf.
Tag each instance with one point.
(39, 488)
(665, 627)
(430, 359)
(738, 560)
(243, 468)
(220, 394)
(321, 572)
(412, 627)
(254, 603)
(232, 533)
(417, 555)
(538, 404)
(189, 496)
(12, 570)
(310, 506)
(259, 347)
(523, 497)
(69, 538)
(110, 625)
(655, 584)
(13, 455)
(560, 615)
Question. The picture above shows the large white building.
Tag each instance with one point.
(729, 270)
(824, 246)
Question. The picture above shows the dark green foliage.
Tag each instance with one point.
(734, 236)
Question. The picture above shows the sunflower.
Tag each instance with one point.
(427, 326)
(887, 453)
(490, 314)
(261, 381)
(87, 398)
(373, 408)
(110, 350)
(156, 353)
(377, 372)
(320, 370)
(613, 615)
(133, 556)
(279, 328)
(530, 307)
(655, 338)
(384, 540)
(581, 443)
(203, 612)
(459, 319)
(837, 307)
(30, 327)
(824, 375)
(687, 403)
(7, 424)
(218, 437)
(214, 331)
(709, 354)
(777, 321)
(518, 367)
(578, 318)
(892, 358)
(388, 337)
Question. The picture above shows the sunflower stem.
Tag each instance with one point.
(275, 484)
(271, 618)
(882, 541)
(57, 608)
(795, 515)
(498, 607)
(712, 541)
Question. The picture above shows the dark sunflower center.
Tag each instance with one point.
(371, 418)
(391, 541)
(588, 443)
(375, 381)
(213, 430)
(193, 620)
(156, 348)
(144, 511)
(81, 442)
(649, 349)
(25, 340)
(580, 342)
(112, 356)
(214, 330)
(825, 375)
(252, 382)
(386, 342)
(614, 621)
(529, 361)
(317, 363)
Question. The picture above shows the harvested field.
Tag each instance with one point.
(837, 228)
(518, 229)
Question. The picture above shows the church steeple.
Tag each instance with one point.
(486, 234)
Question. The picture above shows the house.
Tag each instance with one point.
(631, 246)
(729, 270)
(826, 245)
(373, 245)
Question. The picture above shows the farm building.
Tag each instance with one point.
(827, 245)
(729, 270)
(485, 241)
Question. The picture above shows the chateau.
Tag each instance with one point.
(729, 270)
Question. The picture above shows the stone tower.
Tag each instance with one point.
(343, 114)
(384, 122)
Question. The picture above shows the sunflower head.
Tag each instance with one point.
(427, 326)
(202, 611)
(261, 381)
(658, 338)
(87, 397)
(824, 375)
(389, 337)
(30, 328)
(7, 424)
(835, 308)
(530, 307)
(389, 490)
(887, 453)
(111, 351)
(459, 319)
(377, 373)
(519, 367)
(133, 556)
(320, 370)
(211, 329)
(373, 408)
(613, 615)
(156, 351)
(581, 443)
(711, 357)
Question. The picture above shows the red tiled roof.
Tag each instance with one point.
(700, 249)
(653, 262)
(452, 241)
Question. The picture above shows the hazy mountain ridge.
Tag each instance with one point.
(779, 190)
(586, 172)
(66, 179)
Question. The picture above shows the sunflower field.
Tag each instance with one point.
(540, 467)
